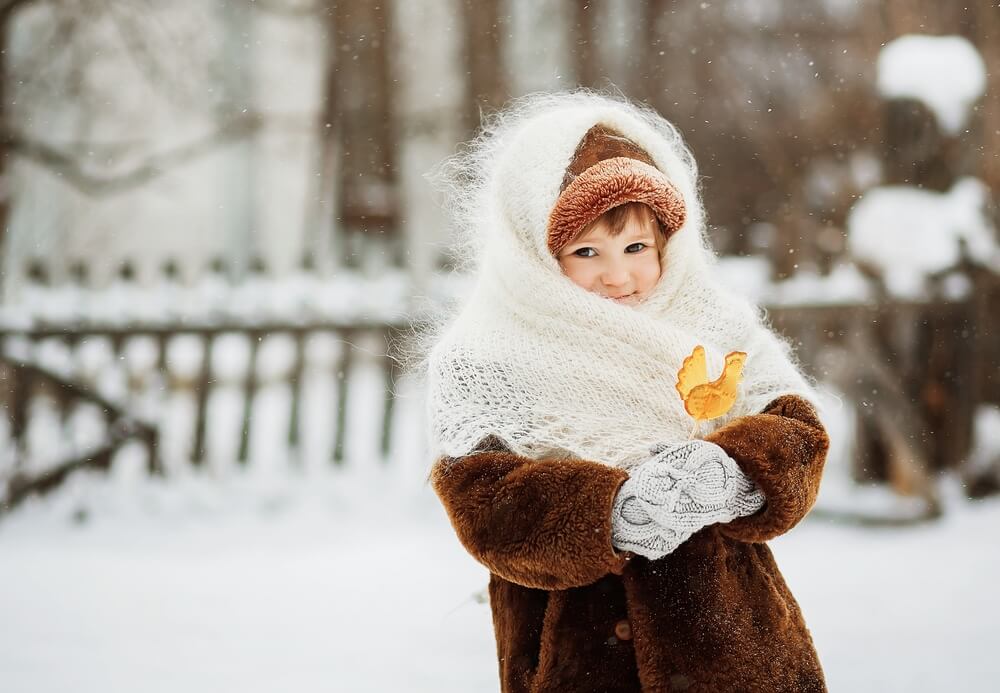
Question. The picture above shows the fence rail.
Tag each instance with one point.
(46, 363)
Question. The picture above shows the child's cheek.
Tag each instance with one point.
(574, 271)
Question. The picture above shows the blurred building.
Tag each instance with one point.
(281, 133)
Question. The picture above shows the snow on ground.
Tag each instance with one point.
(355, 582)
(946, 73)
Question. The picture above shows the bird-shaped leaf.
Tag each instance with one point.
(705, 400)
(693, 372)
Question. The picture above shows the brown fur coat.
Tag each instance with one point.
(572, 614)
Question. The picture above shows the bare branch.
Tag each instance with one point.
(136, 45)
(8, 6)
(57, 41)
(68, 167)
(143, 41)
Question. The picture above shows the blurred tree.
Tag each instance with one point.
(358, 109)
(587, 35)
(102, 100)
(486, 83)
(7, 10)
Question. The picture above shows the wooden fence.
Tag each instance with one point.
(915, 373)
(27, 380)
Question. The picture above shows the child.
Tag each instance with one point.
(560, 436)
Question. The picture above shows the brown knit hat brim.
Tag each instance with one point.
(608, 184)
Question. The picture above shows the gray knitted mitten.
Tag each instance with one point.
(679, 490)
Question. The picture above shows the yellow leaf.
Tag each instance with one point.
(693, 372)
(705, 400)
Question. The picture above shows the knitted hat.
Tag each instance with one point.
(608, 170)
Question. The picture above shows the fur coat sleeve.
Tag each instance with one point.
(546, 524)
(538, 523)
(783, 450)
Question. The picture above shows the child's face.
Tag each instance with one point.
(624, 268)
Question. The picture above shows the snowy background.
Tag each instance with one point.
(357, 583)
(208, 170)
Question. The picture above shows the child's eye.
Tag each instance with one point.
(639, 247)
(585, 252)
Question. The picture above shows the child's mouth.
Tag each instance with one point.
(623, 299)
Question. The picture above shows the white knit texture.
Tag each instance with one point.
(551, 368)
(677, 492)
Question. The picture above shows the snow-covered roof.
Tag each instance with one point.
(946, 73)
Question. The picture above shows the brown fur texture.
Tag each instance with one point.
(599, 143)
(608, 170)
(572, 614)
(487, 503)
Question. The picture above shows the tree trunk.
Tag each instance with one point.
(6, 13)
(486, 87)
(586, 56)
(359, 98)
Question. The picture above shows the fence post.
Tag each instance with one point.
(343, 370)
(201, 408)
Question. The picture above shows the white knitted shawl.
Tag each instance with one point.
(549, 367)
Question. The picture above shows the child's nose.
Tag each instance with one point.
(615, 276)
